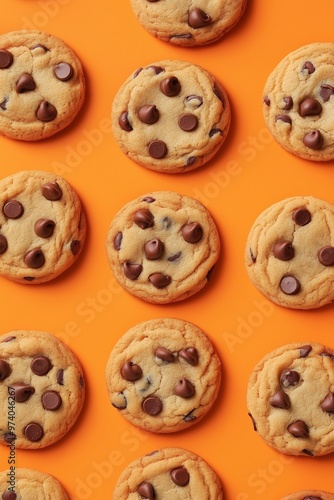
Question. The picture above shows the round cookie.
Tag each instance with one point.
(290, 398)
(42, 85)
(298, 102)
(310, 495)
(169, 473)
(28, 484)
(162, 247)
(290, 252)
(41, 389)
(163, 375)
(42, 226)
(188, 23)
(171, 116)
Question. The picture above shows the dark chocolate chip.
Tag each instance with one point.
(301, 216)
(328, 403)
(184, 388)
(148, 114)
(6, 59)
(63, 71)
(3, 244)
(75, 246)
(313, 139)
(289, 377)
(118, 240)
(283, 118)
(157, 149)
(160, 280)
(44, 228)
(192, 233)
(13, 209)
(46, 112)
(170, 86)
(52, 191)
(34, 432)
(190, 355)
(34, 258)
(4, 369)
(310, 107)
(188, 122)
(131, 371)
(9, 495)
(51, 400)
(180, 476)
(290, 285)
(25, 83)
(191, 160)
(60, 377)
(215, 131)
(9, 437)
(164, 354)
(131, 271)
(40, 365)
(280, 400)
(309, 67)
(283, 250)
(288, 103)
(193, 101)
(326, 92)
(174, 257)
(154, 249)
(305, 351)
(252, 255)
(299, 429)
(197, 18)
(124, 123)
(40, 46)
(148, 199)
(326, 256)
(3, 104)
(266, 100)
(145, 489)
(143, 218)
(152, 405)
(22, 392)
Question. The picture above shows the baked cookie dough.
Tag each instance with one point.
(290, 252)
(188, 23)
(290, 399)
(298, 102)
(169, 473)
(29, 484)
(42, 226)
(41, 389)
(310, 495)
(162, 247)
(171, 116)
(42, 85)
(163, 375)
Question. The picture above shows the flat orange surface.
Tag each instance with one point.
(89, 311)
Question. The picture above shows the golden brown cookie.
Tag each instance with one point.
(310, 495)
(28, 484)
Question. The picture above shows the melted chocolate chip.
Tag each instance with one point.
(326, 256)
(44, 228)
(157, 149)
(328, 403)
(159, 280)
(40, 365)
(280, 400)
(309, 67)
(52, 191)
(283, 118)
(124, 123)
(132, 271)
(313, 139)
(288, 103)
(131, 371)
(309, 107)
(283, 250)
(60, 377)
(143, 218)
(164, 354)
(152, 405)
(154, 249)
(63, 71)
(299, 429)
(148, 114)
(192, 233)
(180, 476)
(34, 258)
(3, 244)
(197, 18)
(34, 432)
(289, 378)
(188, 122)
(190, 355)
(51, 400)
(75, 247)
(118, 240)
(305, 351)
(6, 59)
(184, 388)
(290, 285)
(46, 112)
(4, 369)
(146, 489)
(326, 92)
(22, 392)
(170, 86)
(25, 83)
(301, 216)
(13, 209)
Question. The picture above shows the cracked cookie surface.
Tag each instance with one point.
(41, 389)
(163, 375)
(162, 247)
(31, 483)
(169, 473)
(290, 252)
(42, 85)
(310, 495)
(171, 116)
(298, 102)
(290, 398)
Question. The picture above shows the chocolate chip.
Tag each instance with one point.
(313, 140)
(34, 258)
(118, 240)
(63, 71)
(143, 218)
(3, 244)
(131, 371)
(3, 104)
(309, 107)
(44, 228)
(283, 118)
(184, 388)
(280, 400)
(283, 250)
(40, 46)
(159, 280)
(154, 249)
(290, 285)
(191, 160)
(4, 369)
(289, 377)
(164, 354)
(288, 103)
(9, 339)
(174, 257)
(197, 18)
(193, 101)
(152, 405)
(309, 67)
(13, 209)
(252, 255)
(121, 402)
(124, 123)
(25, 83)
(60, 377)
(188, 122)
(312, 497)
(180, 476)
(308, 452)
(326, 92)
(40, 365)
(170, 86)
(328, 403)
(327, 355)
(148, 114)
(34, 432)
(52, 191)
(190, 417)
(29, 278)
(215, 131)
(22, 392)
(9, 437)
(266, 100)
(185, 36)
(299, 429)
(192, 233)
(131, 271)
(157, 149)
(46, 112)
(166, 222)
(51, 400)
(148, 199)
(145, 489)
(301, 216)
(75, 247)
(190, 355)
(326, 256)
(305, 351)
(6, 59)
(157, 69)
(9, 495)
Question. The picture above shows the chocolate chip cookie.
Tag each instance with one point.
(169, 473)
(162, 247)
(41, 389)
(27, 484)
(290, 252)
(310, 495)
(187, 23)
(171, 116)
(163, 375)
(42, 85)
(298, 102)
(42, 226)
(290, 398)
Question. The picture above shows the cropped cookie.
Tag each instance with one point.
(42, 85)
(187, 23)
(290, 252)
(41, 389)
(298, 102)
(169, 473)
(290, 398)
(310, 495)
(28, 484)
(42, 226)
(162, 247)
(171, 116)
(163, 375)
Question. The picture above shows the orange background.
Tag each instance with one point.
(89, 311)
